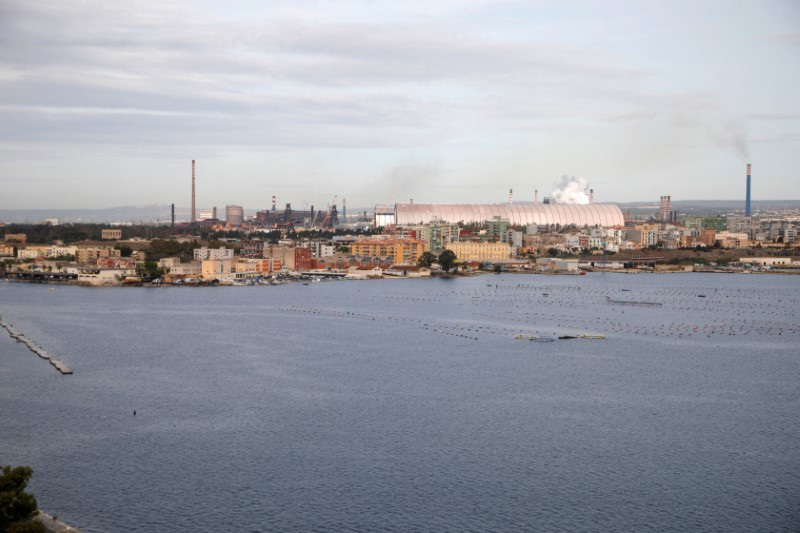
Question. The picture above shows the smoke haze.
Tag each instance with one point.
(571, 190)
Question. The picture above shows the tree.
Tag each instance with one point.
(16, 505)
(149, 270)
(447, 260)
(426, 259)
(553, 252)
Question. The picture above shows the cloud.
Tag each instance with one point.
(146, 63)
(783, 37)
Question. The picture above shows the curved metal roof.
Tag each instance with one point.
(520, 213)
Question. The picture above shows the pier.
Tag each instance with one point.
(60, 365)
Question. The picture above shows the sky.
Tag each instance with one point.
(106, 103)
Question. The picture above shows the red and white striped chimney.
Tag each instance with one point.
(591, 196)
(510, 196)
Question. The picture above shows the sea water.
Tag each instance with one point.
(408, 405)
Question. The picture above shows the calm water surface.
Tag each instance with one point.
(407, 405)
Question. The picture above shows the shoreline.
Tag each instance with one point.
(441, 276)
(52, 524)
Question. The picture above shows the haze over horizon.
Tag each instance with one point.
(106, 104)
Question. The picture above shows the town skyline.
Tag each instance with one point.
(459, 101)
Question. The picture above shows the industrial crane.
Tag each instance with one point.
(331, 217)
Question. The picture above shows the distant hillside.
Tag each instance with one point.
(161, 213)
(110, 215)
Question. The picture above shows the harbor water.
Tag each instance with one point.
(409, 405)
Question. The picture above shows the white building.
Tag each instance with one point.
(202, 254)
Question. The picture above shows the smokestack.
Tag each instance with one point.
(173, 215)
(273, 203)
(344, 210)
(510, 196)
(591, 196)
(194, 217)
(747, 200)
(669, 208)
(411, 201)
(536, 197)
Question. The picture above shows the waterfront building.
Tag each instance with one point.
(407, 251)
(215, 268)
(303, 259)
(57, 250)
(89, 254)
(252, 249)
(480, 251)
(31, 252)
(554, 264)
(407, 271)
(282, 257)
(116, 262)
(320, 248)
(94, 275)
(766, 261)
(173, 267)
(221, 253)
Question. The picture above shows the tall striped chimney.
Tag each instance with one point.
(194, 216)
(536, 196)
(591, 196)
(747, 201)
(510, 196)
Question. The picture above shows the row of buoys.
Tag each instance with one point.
(59, 365)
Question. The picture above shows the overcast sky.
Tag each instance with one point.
(106, 103)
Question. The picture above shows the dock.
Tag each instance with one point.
(59, 365)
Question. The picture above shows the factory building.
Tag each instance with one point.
(606, 215)
(234, 215)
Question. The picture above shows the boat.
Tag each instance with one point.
(533, 338)
(592, 336)
(567, 336)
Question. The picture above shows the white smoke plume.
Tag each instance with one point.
(571, 190)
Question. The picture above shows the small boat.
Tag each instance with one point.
(567, 336)
(592, 336)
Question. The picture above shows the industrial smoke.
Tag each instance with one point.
(571, 190)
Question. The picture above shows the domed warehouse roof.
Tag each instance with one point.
(606, 215)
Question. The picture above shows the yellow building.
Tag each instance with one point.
(480, 251)
(216, 268)
(88, 255)
(405, 251)
(31, 252)
(20, 238)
